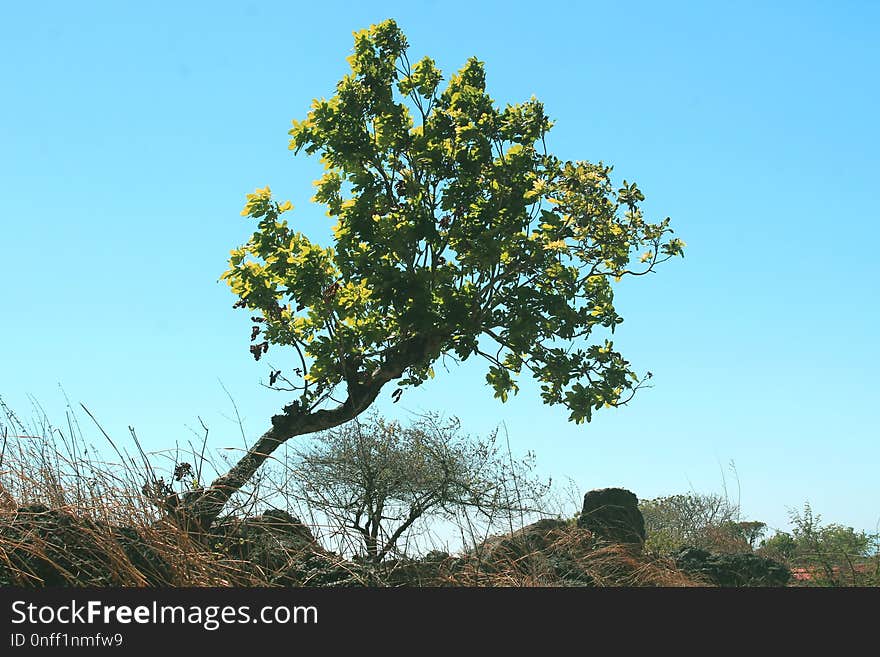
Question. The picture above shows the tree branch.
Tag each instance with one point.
(204, 506)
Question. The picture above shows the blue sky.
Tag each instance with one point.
(130, 132)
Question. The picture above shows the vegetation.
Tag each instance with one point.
(826, 555)
(817, 554)
(457, 234)
(379, 479)
(699, 520)
(69, 517)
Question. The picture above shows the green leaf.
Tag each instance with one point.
(454, 232)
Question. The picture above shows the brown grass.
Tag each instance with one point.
(69, 518)
(570, 557)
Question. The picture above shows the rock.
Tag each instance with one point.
(54, 547)
(284, 550)
(613, 516)
(51, 547)
(732, 569)
(541, 551)
(271, 540)
(527, 540)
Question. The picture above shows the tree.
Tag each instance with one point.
(781, 546)
(378, 478)
(748, 531)
(833, 554)
(457, 233)
(700, 520)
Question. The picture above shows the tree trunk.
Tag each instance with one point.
(372, 546)
(203, 507)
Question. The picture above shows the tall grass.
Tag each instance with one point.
(71, 517)
(68, 516)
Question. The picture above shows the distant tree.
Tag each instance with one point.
(833, 554)
(746, 532)
(781, 546)
(700, 520)
(378, 478)
(457, 233)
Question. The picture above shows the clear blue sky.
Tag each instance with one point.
(130, 132)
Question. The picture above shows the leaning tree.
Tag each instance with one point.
(456, 233)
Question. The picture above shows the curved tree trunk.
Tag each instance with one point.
(203, 507)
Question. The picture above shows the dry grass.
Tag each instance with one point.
(568, 556)
(70, 518)
(85, 523)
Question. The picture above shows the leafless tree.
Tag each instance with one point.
(377, 478)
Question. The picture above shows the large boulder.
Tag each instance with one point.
(283, 550)
(744, 569)
(273, 541)
(546, 551)
(613, 516)
(526, 540)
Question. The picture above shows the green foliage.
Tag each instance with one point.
(707, 521)
(746, 532)
(455, 231)
(781, 546)
(832, 554)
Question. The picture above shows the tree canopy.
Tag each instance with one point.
(454, 228)
(456, 233)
